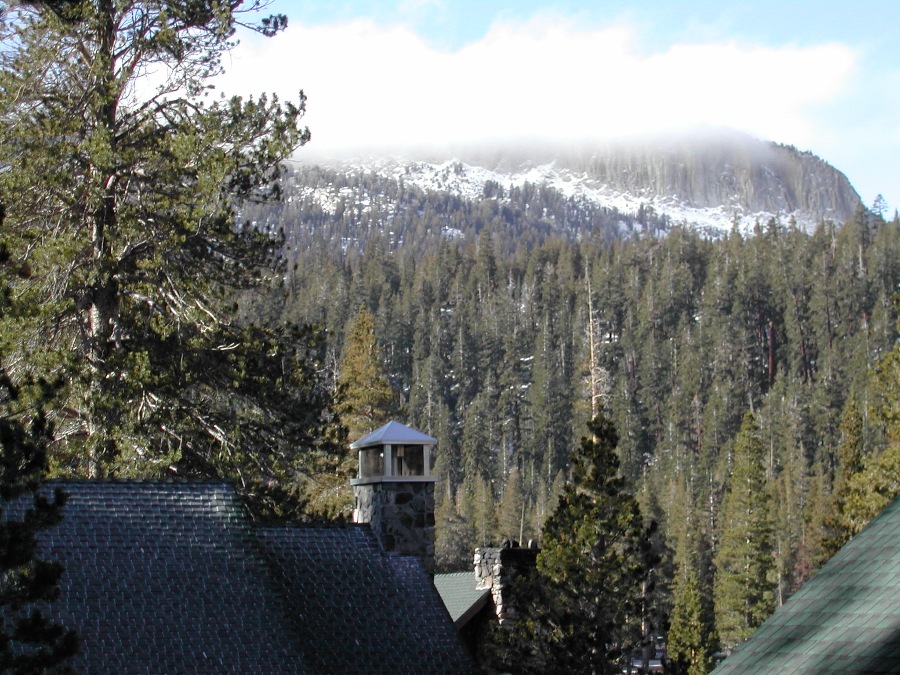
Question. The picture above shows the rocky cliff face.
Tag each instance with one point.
(725, 170)
(731, 171)
(711, 181)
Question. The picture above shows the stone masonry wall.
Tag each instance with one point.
(498, 569)
(401, 516)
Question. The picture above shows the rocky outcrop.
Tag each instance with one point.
(720, 169)
(728, 170)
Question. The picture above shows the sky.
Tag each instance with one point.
(395, 74)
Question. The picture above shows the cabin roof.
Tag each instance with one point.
(846, 619)
(461, 595)
(175, 577)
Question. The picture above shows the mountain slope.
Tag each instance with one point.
(706, 181)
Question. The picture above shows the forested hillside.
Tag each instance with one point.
(165, 315)
(489, 318)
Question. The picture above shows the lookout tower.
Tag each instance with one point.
(394, 490)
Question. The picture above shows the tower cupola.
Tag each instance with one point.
(394, 489)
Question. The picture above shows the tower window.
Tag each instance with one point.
(371, 462)
(409, 460)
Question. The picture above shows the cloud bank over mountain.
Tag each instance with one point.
(374, 86)
(370, 85)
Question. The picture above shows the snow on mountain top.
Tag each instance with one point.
(468, 181)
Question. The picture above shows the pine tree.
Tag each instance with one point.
(691, 638)
(512, 508)
(29, 642)
(743, 561)
(484, 513)
(453, 536)
(877, 482)
(123, 195)
(582, 611)
(366, 397)
(811, 553)
(365, 402)
(850, 456)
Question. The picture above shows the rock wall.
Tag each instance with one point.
(748, 175)
(401, 515)
(710, 169)
(498, 569)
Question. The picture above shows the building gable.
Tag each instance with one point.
(174, 577)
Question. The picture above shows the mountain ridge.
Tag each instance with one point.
(708, 181)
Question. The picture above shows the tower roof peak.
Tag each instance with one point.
(394, 433)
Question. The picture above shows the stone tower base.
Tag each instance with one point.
(401, 515)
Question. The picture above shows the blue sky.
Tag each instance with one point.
(823, 76)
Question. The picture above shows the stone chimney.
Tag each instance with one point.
(394, 490)
(497, 569)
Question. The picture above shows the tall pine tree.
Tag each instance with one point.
(366, 398)
(838, 528)
(123, 192)
(877, 483)
(743, 588)
(582, 612)
(29, 642)
(691, 638)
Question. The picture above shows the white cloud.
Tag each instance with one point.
(371, 85)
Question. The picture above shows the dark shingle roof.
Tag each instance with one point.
(846, 619)
(164, 577)
(461, 596)
(346, 597)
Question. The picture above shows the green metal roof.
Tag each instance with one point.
(846, 619)
(460, 595)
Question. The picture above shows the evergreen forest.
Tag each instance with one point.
(505, 324)
(712, 414)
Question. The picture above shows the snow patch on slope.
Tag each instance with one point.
(468, 182)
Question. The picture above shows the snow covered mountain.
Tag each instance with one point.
(708, 182)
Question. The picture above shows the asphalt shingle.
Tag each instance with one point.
(849, 613)
(371, 612)
(169, 577)
(165, 577)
